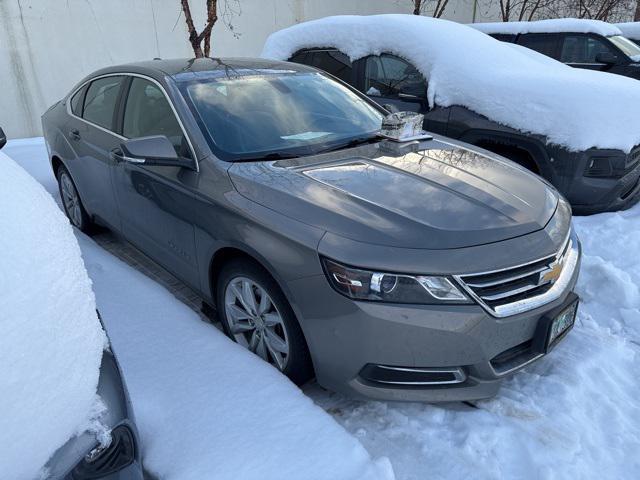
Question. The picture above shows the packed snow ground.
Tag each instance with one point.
(574, 414)
(51, 340)
(550, 99)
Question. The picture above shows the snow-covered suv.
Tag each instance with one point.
(588, 44)
(509, 100)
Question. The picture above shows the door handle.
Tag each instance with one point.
(74, 134)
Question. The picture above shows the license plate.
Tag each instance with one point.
(562, 323)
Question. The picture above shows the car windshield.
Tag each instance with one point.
(629, 48)
(280, 115)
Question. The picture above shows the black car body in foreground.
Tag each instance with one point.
(594, 180)
(120, 459)
(406, 270)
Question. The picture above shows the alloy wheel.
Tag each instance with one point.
(71, 200)
(255, 322)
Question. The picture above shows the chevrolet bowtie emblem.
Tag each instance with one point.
(550, 275)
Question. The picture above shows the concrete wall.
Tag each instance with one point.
(46, 46)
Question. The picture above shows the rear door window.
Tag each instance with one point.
(100, 101)
(390, 76)
(580, 48)
(542, 43)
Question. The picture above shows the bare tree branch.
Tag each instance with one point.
(197, 39)
(606, 10)
(436, 7)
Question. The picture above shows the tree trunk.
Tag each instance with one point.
(212, 18)
(636, 15)
(195, 38)
(416, 6)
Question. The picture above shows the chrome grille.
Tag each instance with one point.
(524, 287)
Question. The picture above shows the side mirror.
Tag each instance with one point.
(3, 138)
(154, 150)
(607, 58)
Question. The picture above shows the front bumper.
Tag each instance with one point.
(346, 337)
(596, 194)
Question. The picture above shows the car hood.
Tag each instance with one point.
(440, 197)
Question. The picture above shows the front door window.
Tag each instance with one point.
(391, 76)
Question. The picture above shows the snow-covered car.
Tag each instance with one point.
(64, 409)
(580, 43)
(631, 30)
(501, 97)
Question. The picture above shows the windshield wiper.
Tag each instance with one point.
(268, 156)
(354, 142)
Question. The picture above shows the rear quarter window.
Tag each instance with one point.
(77, 100)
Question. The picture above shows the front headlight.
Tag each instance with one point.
(362, 284)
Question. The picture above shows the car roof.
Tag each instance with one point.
(189, 68)
(556, 25)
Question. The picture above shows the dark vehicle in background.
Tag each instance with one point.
(588, 44)
(595, 180)
(418, 270)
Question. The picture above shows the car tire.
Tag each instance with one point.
(263, 325)
(71, 202)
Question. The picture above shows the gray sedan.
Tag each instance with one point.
(408, 270)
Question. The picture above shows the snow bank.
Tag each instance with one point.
(556, 25)
(205, 407)
(630, 29)
(465, 67)
(51, 340)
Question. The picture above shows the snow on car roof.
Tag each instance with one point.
(630, 29)
(556, 25)
(51, 340)
(574, 108)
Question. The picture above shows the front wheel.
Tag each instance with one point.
(255, 313)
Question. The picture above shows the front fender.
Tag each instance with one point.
(534, 147)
